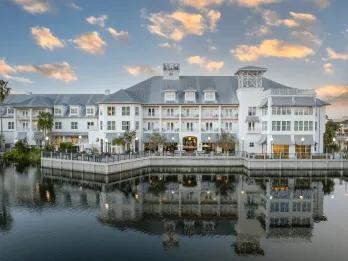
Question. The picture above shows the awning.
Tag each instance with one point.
(282, 139)
(252, 119)
(263, 139)
(69, 133)
(21, 135)
(214, 137)
(307, 139)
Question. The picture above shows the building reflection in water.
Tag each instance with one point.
(174, 206)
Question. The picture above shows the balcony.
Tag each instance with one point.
(151, 130)
(210, 116)
(210, 130)
(229, 116)
(254, 130)
(170, 116)
(170, 129)
(191, 115)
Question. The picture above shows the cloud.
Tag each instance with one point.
(253, 3)
(91, 43)
(337, 96)
(331, 92)
(328, 68)
(59, 71)
(200, 4)
(6, 69)
(45, 39)
(34, 6)
(305, 17)
(175, 26)
(307, 36)
(137, 70)
(271, 48)
(74, 6)
(168, 45)
(209, 65)
(333, 55)
(97, 20)
(321, 3)
(271, 18)
(120, 35)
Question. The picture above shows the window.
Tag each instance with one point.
(274, 206)
(296, 207)
(125, 111)
(190, 96)
(101, 111)
(251, 144)
(264, 125)
(150, 125)
(281, 125)
(58, 111)
(286, 125)
(101, 125)
(170, 126)
(90, 125)
(74, 125)
(189, 126)
(111, 110)
(251, 126)
(228, 126)
(284, 207)
(136, 111)
(281, 111)
(208, 126)
(304, 111)
(137, 125)
(90, 111)
(252, 111)
(25, 125)
(151, 112)
(74, 111)
(10, 111)
(111, 125)
(209, 96)
(306, 207)
(10, 125)
(264, 111)
(170, 96)
(303, 126)
(170, 112)
(125, 125)
(58, 125)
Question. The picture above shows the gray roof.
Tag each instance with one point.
(151, 91)
(294, 102)
(50, 100)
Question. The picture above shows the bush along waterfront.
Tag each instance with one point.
(23, 154)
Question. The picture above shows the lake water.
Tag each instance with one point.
(184, 216)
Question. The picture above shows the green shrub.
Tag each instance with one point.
(23, 154)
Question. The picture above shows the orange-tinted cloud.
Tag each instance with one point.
(137, 70)
(333, 55)
(45, 39)
(209, 65)
(34, 6)
(253, 3)
(328, 68)
(200, 4)
(120, 35)
(271, 48)
(91, 43)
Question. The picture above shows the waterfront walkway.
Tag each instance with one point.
(111, 164)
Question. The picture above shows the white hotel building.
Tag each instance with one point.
(190, 111)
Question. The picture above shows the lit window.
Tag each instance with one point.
(111, 110)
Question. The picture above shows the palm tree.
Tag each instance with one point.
(4, 92)
(155, 140)
(125, 139)
(45, 123)
(226, 141)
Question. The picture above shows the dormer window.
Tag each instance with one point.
(74, 110)
(170, 96)
(10, 111)
(58, 111)
(190, 96)
(90, 111)
(209, 96)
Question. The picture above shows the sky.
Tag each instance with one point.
(88, 46)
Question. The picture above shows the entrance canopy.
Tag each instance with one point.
(307, 139)
(282, 139)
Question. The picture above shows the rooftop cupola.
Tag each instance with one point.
(250, 77)
(171, 71)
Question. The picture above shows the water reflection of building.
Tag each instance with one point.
(174, 206)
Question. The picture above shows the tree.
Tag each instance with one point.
(4, 92)
(155, 140)
(226, 141)
(45, 122)
(125, 139)
(330, 132)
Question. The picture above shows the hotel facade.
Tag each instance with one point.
(189, 111)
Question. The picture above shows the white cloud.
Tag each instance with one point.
(74, 6)
(328, 68)
(35, 6)
(59, 71)
(120, 35)
(168, 45)
(177, 25)
(209, 65)
(5, 68)
(307, 36)
(97, 20)
(333, 55)
(91, 43)
(45, 39)
(271, 48)
(137, 70)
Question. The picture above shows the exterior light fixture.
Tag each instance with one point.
(46, 138)
(271, 197)
(301, 197)
(106, 206)
(302, 139)
(80, 137)
(334, 139)
(242, 192)
(209, 138)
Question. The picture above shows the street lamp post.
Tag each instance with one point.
(333, 149)
(271, 140)
(302, 141)
(46, 141)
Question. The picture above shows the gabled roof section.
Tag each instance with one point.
(35, 102)
(121, 96)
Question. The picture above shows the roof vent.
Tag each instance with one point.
(107, 92)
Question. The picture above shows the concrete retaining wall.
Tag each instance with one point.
(153, 161)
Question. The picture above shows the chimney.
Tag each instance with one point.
(107, 92)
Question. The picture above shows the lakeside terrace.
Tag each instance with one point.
(117, 163)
